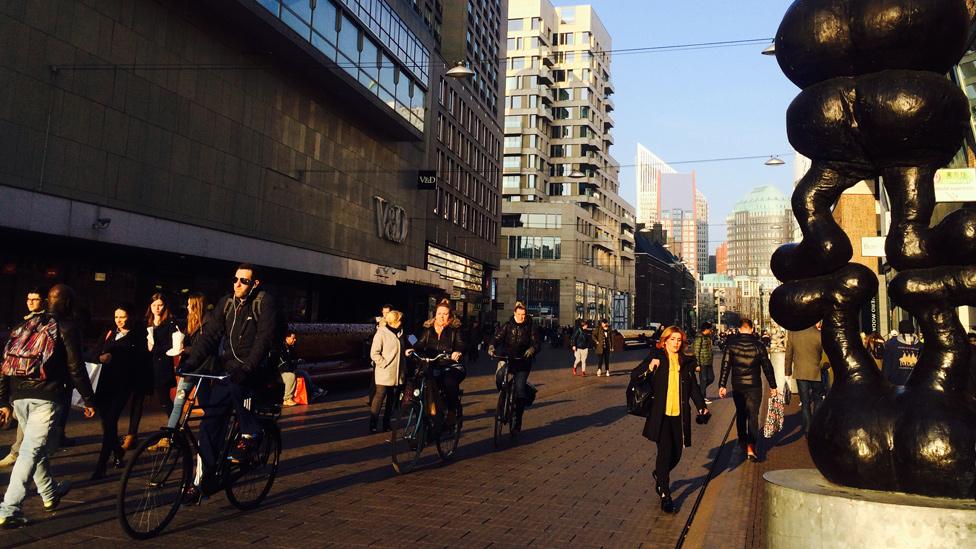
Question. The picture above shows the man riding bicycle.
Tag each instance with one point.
(519, 339)
(243, 330)
(442, 334)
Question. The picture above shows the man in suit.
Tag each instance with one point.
(803, 352)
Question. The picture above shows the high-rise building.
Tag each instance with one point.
(758, 224)
(297, 148)
(648, 169)
(684, 216)
(567, 236)
(722, 258)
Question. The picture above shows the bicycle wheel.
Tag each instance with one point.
(408, 437)
(446, 446)
(248, 483)
(500, 415)
(151, 488)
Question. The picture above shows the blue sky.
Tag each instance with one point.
(703, 104)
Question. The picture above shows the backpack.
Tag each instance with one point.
(30, 347)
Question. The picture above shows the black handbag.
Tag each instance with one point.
(640, 391)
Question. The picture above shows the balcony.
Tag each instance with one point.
(609, 105)
(608, 88)
(545, 76)
(546, 56)
(607, 138)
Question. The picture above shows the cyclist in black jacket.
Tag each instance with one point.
(519, 340)
(442, 334)
(246, 323)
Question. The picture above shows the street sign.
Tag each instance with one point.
(872, 246)
(955, 185)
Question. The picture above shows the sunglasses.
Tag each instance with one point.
(244, 281)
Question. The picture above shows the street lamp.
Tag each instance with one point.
(460, 71)
(769, 50)
(761, 290)
(774, 161)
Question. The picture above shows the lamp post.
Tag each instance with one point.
(525, 282)
(761, 290)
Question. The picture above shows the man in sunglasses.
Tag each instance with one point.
(242, 333)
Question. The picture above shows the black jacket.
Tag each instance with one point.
(744, 356)
(450, 340)
(688, 388)
(247, 341)
(65, 366)
(287, 360)
(128, 368)
(582, 339)
(514, 339)
(162, 364)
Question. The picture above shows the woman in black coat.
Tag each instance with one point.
(442, 334)
(669, 421)
(161, 323)
(124, 359)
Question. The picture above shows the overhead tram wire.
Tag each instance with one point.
(217, 66)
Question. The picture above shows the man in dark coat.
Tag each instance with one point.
(745, 355)
(520, 341)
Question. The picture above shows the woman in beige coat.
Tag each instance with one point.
(387, 354)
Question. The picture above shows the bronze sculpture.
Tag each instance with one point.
(875, 102)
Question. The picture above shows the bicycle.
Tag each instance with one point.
(420, 413)
(505, 409)
(156, 478)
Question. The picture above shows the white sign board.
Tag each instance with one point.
(872, 246)
(955, 185)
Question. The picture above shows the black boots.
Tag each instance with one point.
(663, 492)
(372, 423)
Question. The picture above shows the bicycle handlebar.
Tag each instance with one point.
(440, 356)
(205, 376)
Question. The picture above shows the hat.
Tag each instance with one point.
(906, 326)
(177, 344)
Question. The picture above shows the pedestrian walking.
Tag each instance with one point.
(35, 307)
(669, 421)
(123, 355)
(701, 349)
(380, 322)
(581, 341)
(603, 338)
(40, 358)
(803, 353)
(160, 327)
(901, 353)
(745, 360)
(387, 353)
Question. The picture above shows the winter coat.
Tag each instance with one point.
(163, 367)
(744, 356)
(387, 354)
(128, 369)
(688, 388)
(603, 339)
(514, 339)
(803, 353)
(582, 339)
(450, 340)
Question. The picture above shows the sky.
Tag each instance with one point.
(701, 104)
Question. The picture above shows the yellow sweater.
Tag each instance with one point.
(672, 406)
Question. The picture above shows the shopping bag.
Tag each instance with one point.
(774, 415)
(301, 392)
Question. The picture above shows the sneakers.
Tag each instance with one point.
(319, 394)
(61, 489)
(244, 449)
(583, 374)
(708, 401)
(9, 460)
(599, 372)
(161, 445)
(13, 521)
(289, 402)
(192, 496)
(608, 372)
(574, 371)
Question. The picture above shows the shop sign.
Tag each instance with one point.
(391, 221)
(873, 246)
(955, 185)
(426, 180)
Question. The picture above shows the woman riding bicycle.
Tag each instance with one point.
(519, 339)
(442, 334)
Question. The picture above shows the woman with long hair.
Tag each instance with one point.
(387, 354)
(123, 357)
(669, 421)
(160, 327)
(196, 316)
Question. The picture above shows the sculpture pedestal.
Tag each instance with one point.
(804, 511)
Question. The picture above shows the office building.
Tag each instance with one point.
(567, 236)
(648, 169)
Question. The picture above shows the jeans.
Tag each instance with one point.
(747, 404)
(183, 390)
(579, 357)
(40, 421)
(811, 395)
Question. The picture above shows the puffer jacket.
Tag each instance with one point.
(744, 356)
(514, 339)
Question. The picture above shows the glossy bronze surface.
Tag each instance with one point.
(875, 103)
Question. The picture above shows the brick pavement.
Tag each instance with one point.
(579, 475)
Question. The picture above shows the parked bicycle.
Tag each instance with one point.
(422, 416)
(505, 409)
(158, 475)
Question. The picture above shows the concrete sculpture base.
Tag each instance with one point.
(805, 511)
